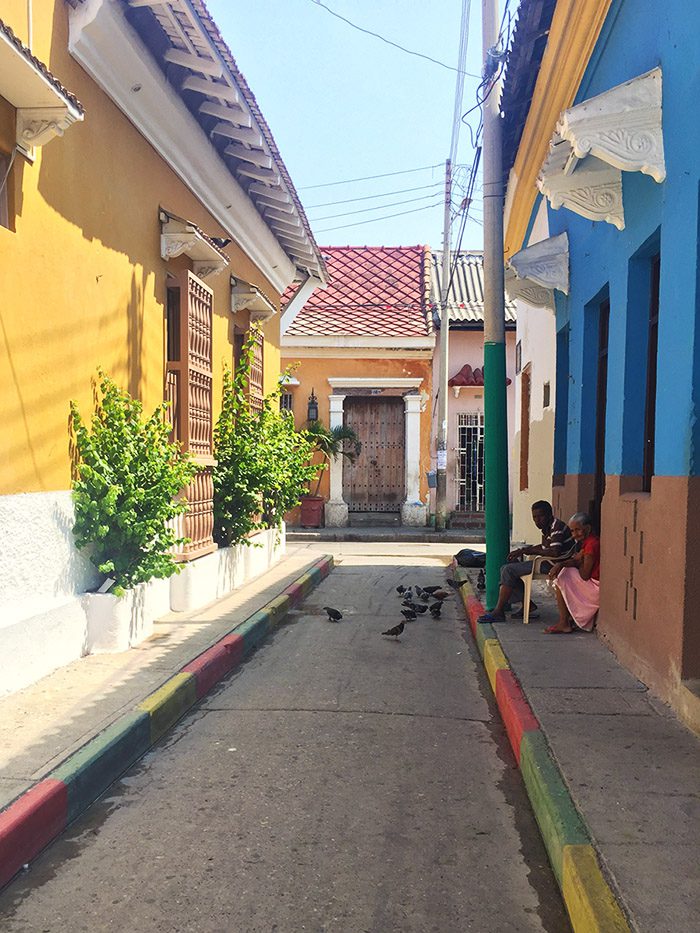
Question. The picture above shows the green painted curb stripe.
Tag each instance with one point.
(168, 703)
(89, 771)
(556, 815)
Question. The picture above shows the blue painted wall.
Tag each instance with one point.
(638, 36)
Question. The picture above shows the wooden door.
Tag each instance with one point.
(375, 482)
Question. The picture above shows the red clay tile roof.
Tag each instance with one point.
(374, 291)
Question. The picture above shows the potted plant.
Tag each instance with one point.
(330, 443)
(127, 490)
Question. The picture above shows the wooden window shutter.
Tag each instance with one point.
(189, 382)
(255, 382)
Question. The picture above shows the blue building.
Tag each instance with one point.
(600, 129)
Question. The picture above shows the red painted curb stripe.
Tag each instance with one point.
(474, 610)
(295, 593)
(214, 663)
(30, 823)
(515, 711)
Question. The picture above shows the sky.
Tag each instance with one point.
(344, 105)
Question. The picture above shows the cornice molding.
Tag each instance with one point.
(575, 28)
(103, 43)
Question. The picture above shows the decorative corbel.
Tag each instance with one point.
(37, 126)
(528, 291)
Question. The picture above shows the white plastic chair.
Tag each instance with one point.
(537, 574)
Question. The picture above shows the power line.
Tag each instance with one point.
(369, 197)
(459, 87)
(348, 181)
(374, 219)
(402, 48)
(377, 207)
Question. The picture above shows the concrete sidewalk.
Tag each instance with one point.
(44, 723)
(632, 770)
(454, 538)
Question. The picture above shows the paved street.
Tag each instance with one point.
(340, 781)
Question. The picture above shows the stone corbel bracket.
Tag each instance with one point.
(591, 188)
(534, 272)
(37, 126)
(247, 297)
(621, 126)
(179, 237)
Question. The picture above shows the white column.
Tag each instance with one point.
(413, 511)
(336, 509)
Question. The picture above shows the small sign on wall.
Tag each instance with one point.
(442, 459)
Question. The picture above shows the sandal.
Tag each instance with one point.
(492, 617)
(555, 630)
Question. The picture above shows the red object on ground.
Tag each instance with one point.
(312, 511)
(515, 710)
(29, 824)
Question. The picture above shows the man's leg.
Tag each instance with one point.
(511, 582)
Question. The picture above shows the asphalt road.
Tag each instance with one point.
(340, 781)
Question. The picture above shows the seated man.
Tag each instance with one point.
(557, 542)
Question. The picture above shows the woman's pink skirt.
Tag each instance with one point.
(582, 597)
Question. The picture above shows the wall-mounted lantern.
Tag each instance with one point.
(312, 409)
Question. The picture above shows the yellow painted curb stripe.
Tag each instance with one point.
(168, 703)
(278, 608)
(590, 902)
(494, 660)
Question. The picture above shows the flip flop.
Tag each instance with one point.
(553, 630)
(491, 617)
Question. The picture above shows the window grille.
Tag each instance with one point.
(255, 381)
(287, 402)
(470, 462)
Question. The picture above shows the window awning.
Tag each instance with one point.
(619, 130)
(533, 273)
(44, 107)
(245, 296)
(180, 237)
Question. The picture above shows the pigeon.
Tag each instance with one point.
(440, 594)
(408, 614)
(409, 604)
(420, 609)
(220, 241)
(333, 614)
(431, 589)
(401, 589)
(395, 631)
(481, 581)
(435, 610)
(454, 584)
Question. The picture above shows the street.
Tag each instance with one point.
(340, 781)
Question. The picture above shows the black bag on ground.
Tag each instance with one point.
(469, 558)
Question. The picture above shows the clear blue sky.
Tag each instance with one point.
(343, 105)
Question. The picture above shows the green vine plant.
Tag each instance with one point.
(263, 463)
(128, 488)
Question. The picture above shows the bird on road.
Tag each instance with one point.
(395, 631)
(333, 614)
(481, 581)
(408, 603)
(419, 608)
(455, 585)
(440, 594)
(431, 589)
(408, 614)
(400, 590)
(435, 610)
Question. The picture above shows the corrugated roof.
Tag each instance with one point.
(465, 300)
(373, 291)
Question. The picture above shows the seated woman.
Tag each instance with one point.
(577, 580)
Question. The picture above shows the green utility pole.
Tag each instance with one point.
(495, 416)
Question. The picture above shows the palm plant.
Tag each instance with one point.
(331, 443)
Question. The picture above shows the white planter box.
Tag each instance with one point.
(116, 623)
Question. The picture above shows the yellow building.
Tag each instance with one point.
(142, 196)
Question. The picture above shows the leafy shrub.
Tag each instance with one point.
(263, 463)
(129, 478)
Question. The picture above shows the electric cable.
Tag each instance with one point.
(348, 181)
(369, 197)
(371, 220)
(377, 207)
(402, 48)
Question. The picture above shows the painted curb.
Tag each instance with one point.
(41, 813)
(589, 900)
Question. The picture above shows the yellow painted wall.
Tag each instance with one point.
(83, 283)
(313, 374)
